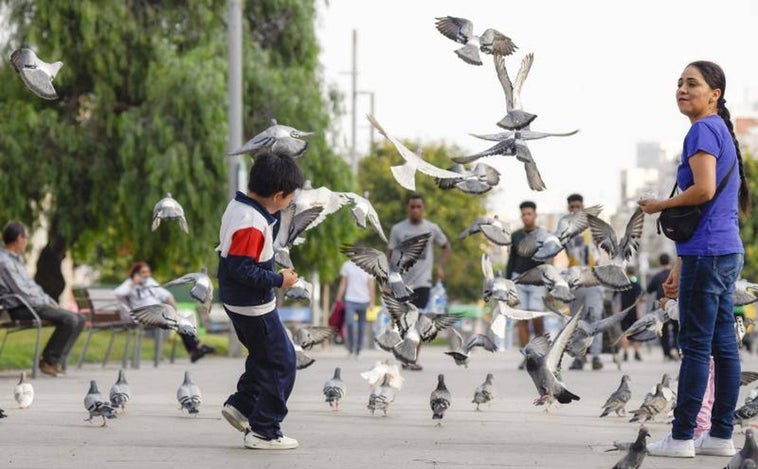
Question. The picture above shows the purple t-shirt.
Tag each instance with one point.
(718, 232)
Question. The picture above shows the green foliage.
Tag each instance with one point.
(452, 210)
(143, 112)
(749, 223)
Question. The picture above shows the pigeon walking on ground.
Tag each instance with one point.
(169, 209)
(164, 316)
(281, 140)
(382, 396)
(461, 30)
(617, 401)
(637, 452)
(97, 405)
(23, 393)
(748, 453)
(335, 390)
(485, 392)
(440, 400)
(120, 392)
(651, 406)
(36, 74)
(188, 395)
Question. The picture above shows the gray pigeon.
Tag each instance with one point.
(3, 414)
(586, 331)
(440, 400)
(301, 290)
(308, 336)
(542, 245)
(382, 396)
(302, 359)
(748, 454)
(36, 74)
(281, 140)
(637, 452)
(120, 392)
(480, 179)
(522, 134)
(496, 286)
(461, 30)
(164, 316)
(653, 405)
(362, 211)
(612, 274)
(646, 328)
(746, 414)
(485, 392)
(413, 327)
(169, 209)
(547, 275)
(617, 401)
(335, 390)
(491, 228)
(745, 292)
(291, 225)
(188, 395)
(97, 405)
(202, 287)
(461, 351)
(388, 339)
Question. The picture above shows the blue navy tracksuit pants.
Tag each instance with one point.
(266, 384)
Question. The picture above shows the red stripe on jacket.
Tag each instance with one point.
(247, 242)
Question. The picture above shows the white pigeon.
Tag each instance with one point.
(461, 31)
(23, 393)
(189, 395)
(387, 367)
(169, 209)
(405, 174)
(97, 405)
(120, 392)
(36, 74)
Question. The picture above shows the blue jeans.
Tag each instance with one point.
(355, 339)
(706, 327)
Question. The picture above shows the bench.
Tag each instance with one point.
(11, 325)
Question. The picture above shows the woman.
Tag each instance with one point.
(140, 289)
(357, 290)
(708, 265)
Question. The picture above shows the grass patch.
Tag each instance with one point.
(19, 350)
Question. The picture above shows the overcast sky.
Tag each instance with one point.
(607, 68)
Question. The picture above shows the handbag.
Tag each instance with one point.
(679, 223)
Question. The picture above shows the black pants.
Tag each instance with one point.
(266, 384)
(420, 297)
(668, 337)
(68, 325)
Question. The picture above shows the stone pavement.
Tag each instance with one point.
(511, 433)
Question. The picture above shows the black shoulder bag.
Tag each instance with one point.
(679, 223)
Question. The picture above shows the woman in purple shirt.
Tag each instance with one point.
(708, 265)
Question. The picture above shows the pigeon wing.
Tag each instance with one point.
(562, 340)
(372, 261)
(630, 243)
(458, 29)
(160, 315)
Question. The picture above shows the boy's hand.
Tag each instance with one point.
(289, 278)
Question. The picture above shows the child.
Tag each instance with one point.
(246, 288)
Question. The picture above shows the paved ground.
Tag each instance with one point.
(511, 433)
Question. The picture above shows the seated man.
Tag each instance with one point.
(15, 279)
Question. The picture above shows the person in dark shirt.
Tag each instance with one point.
(670, 328)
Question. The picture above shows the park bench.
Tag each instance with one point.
(11, 325)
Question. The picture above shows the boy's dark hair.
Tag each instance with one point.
(273, 173)
(575, 198)
(414, 196)
(664, 259)
(528, 204)
(12, 230)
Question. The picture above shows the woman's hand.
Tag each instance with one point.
(671, 285)
(651, 206)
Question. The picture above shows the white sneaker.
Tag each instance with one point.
(255, 441)
(711, 446)
(235, 417)
(671, 448)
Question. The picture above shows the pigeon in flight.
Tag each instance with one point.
(461, 30)
(308, 336)
(281, 140)
(637, 452)
(587, 330)
(23, 393)
(164, 316)
(501, 311)
(461, 350)
(612, 274)
(491, 228)
(36, 74)
(748, 454)
(188, 395)
(405, 174)
(301, 290)
(547, 275)
(496, 286)
(745, 292)
(440, 399)
(542, 245)
(202, 287)
(169, 209)
(120, 392)
(479, 179)
(382, 396)
(97, 405)
(516, 118)
(522, 134)
(308, 197)
(485, 392)
(648, 327)
(302, 359)
(335, 390)
(291, 226)
(617, 401)
(376, 374)
(362, 211)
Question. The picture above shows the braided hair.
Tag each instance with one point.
(714, 76)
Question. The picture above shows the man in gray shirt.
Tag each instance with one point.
(419, 277)
(15, 279)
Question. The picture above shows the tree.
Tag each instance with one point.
(142, 113)
(749, 222)
(452, 210)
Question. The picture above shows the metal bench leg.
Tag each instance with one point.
(158, 347)
(125, 360)
(109, 348)
(5, 339)
(174, 340)
(35, 365)
(84, 349)
(137, 348)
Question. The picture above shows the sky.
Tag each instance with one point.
(606, 68)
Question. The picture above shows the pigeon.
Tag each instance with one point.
(617, 401)
(646, 328)
(747, 413)
(510, 147)
(612, 274)
(387, 367)
(388, 272)
(480, 179)
(97, 405)
(745, 292)
(302, 359)
(542, 245)
(307, 197)
(301, 290)
(652, 405)
(23, 393)
(484, 393)
(202, 287)
(547, 275)
(334, 390)
(291, 226)
(543, 363)
(3, 414)
(440, 399)
(388, 339)
(462, 350)
(496, 286)
(522, 134)
(581, 276)
(516, 118)
(188, 395)
(169, 209)
(362, 211)
(405, 174)
(281, 140)
(120, 392)
(492, 228)
(382, 396)
(414, 327)
(164, 316)
(308, 336)
(747, 377)
(637, 452)
(36, 74)
(586, 331)
(501, 311)
(748, 453)
(461, 30)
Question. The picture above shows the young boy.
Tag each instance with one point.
(247, 280)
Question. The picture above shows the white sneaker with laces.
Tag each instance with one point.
(255, 441)
(235, 417)
(712, 446)
(671, 448)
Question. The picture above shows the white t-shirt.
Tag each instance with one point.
(357, 283)
(137, 296)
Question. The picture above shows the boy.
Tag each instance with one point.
(246, 287)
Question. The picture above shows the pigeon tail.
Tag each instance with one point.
(566, 396)
(439, 406)
(612, 276)
(469, 54)
(405, 351)
(388, 339)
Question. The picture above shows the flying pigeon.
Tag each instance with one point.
(496, 286)
(97, 405)
(547, 275)
(120, 392)
(491, 227)
(188, 395)
(414, 327)
(382, 396)
(542, 245)
(587, 330)
(637, 452)
(281, 140)
(461, 30)
(23, 393)
(202, 287)
(362, 211)
(376, 374)
(335, 390)
(36, 74)
(308, 336)
(612, 274)
(164, 316)
(484, 393)
(480, 179)
(617, 401)
(291, 225)
(646, 328)
(462, 350)
(169, 209)
(302, 359)
(440, 399)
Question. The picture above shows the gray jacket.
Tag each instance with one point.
(15, 279)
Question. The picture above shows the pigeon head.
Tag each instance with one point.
(644, 433)
(187, 378)
(121, 376)
(337, 372)
(93, 387)
(626, 378)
